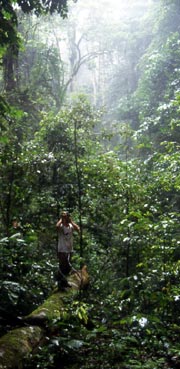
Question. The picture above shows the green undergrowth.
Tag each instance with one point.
(90, 339)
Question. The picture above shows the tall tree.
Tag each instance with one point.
(9, 36)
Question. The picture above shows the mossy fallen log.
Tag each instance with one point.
(17, 344)
(52, 308)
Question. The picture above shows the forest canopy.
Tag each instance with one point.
(89, 123)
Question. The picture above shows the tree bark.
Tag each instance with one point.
(17, 344)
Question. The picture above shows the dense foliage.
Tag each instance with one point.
(120, 183)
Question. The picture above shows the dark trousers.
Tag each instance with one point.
(64, 262)
(63, 270)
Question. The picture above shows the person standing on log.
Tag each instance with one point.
(65, 227)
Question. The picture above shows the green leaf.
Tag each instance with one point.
(75, 344)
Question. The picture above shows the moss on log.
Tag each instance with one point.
(17, 344)
(52, 308)
(20, 342)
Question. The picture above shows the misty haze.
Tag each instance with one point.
(89, 184)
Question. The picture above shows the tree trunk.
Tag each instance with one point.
(10, 66)
(17, 344)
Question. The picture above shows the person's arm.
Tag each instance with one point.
(58, 224)
(75, 226)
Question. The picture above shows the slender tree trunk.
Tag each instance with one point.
(127, 211)
(78, 175)
(10, 66)
(9, 197)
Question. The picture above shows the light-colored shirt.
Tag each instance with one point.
(65, 238)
